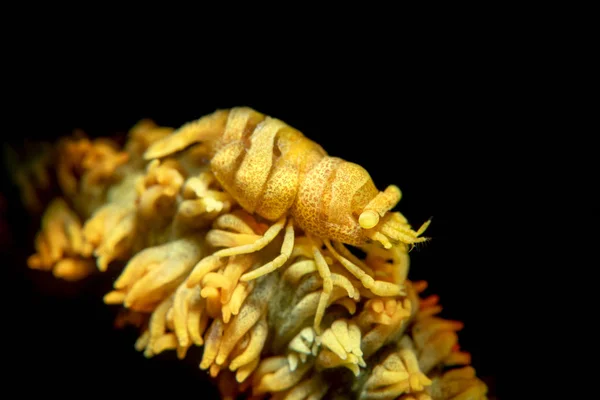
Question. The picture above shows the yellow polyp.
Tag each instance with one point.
(382, 313)
(329, 340)
(424, 329)
(214, 370)
(414, 383)
(459, 384)
(390, 306)
(354, 368)
(282, 379)
(110, 231)
(142, 342)
(157, 324)
(180, 311)
(36, 261)
(377, 335)
(189, 209)
(61, 245)
(377, 305)
(234, 269)
(163, 343)
(237, 328)
(387, 377)
(73, 269)
(340, 330)
(240, 293)
(197, 320)
(354, 335)
(226, 313)
(429, 302)
(328, 359)
(302, 342)
(212, 341)
(244, 371)
(233, 222)
(213, 305)
(209, 292)
(155, 285)
(215, 280)
(313, 388)
(267, 366)
(398, 374)
(341, 347)
(219, 238)
(458, 358)
(169, 319)
(258, 337)
(293, 360)
(115, 297)
(206, 265)
(437, 350)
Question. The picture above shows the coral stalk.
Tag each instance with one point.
(221, 244)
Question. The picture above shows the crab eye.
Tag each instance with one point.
(368, 219)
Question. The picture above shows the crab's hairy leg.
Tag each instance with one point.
(354, 269)
(325, 274)
(214, 261)
(380, 288)
(267, 238)
(286, 251)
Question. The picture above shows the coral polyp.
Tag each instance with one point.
(237, 234)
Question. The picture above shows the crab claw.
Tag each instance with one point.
(393, 229)
(385, 227)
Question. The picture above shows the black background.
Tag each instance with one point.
(440, 126)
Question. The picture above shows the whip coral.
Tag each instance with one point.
(235, 233)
